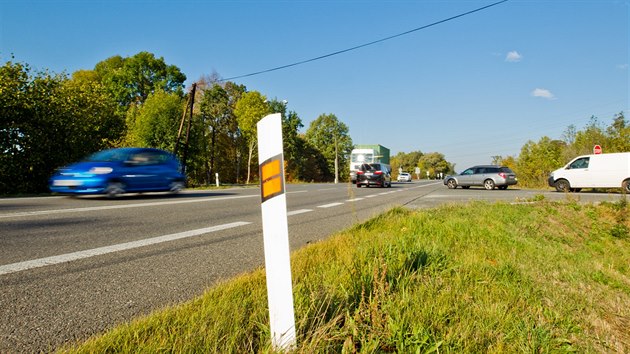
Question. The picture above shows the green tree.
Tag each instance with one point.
(249, 110)
(406, 161)
(294, 144)
(47, 121)
(156, 122)
(131, 80)
(215, 114)
(434, 163)
(618, 134)
(538, 159)
(331, 137)
(593, 134)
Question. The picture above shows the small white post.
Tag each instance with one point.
(216, 178)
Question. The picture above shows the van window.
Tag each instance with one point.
(579, 163)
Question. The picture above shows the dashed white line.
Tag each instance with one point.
(68, 257)
(329, 205)
(301, 211)
(354, 200)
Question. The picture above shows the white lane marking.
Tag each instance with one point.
(301, 211)
(329, 205)
(69, 257)
(293, 192)
(354, 200)
(138, 205)
(327, 189)
(370, 196)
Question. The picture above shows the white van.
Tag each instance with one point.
(593, 171)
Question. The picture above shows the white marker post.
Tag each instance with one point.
(276, 232)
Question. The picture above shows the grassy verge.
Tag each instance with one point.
(541, 277)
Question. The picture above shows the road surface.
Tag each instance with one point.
(74, 267)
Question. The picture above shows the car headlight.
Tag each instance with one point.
(100, 170)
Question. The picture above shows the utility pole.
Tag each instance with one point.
(190, 104)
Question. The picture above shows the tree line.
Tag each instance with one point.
(49, 120)
(539, 158)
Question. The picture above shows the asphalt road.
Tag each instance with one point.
(74, 267)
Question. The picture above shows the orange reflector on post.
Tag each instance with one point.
(270, 169)
(271, 176)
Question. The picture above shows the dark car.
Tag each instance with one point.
(374, 174)
(488, 176)
(117, 171)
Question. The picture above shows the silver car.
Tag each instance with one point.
(488, 176)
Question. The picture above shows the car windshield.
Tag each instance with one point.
(108, 156)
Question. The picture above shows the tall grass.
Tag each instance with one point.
(543, 277)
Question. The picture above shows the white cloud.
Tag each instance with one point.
(513, 57)
(622, 66)
(544, 93)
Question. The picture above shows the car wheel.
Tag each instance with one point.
(177, 186)
(625, 186)
(488, 184)
(358, 185)
(562, 185)
(451, 184)
(114, 189)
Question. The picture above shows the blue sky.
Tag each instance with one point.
(475, 87)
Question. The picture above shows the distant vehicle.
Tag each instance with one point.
(488, 176)
(374, 174)
(593, 171)
(117, 171)
(366, 154)
(404, 177)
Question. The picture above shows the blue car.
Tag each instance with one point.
(117, 171)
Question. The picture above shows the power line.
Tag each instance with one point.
(366, 44)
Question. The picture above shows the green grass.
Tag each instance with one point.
(540, 277)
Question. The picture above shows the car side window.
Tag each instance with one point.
(468, 172)
(580, 163)
(147, 158)
(479, 171)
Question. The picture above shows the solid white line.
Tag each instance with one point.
(329, 205)
(69, 257)
(138, 205)
(370, 196)
(301, 211)
(293, 192)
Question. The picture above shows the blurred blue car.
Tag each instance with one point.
(117, 171)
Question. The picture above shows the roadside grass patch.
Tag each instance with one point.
(539, 277)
